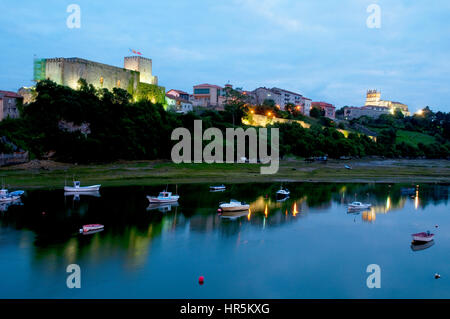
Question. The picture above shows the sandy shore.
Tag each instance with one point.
(49, 174)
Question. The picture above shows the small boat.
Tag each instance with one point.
(423, 237)
(77, 188)
(217, 188)
(233, 206)
(90, 228)
(347, 166)
(6, 196)
(416, 246)
(358, 205)
(283, 193)
(163, 197)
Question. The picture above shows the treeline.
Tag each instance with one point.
(96, 125)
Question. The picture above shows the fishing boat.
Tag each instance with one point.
(163, 197)
(6, 196)
(283, 193)
(77, 188)
(358, 205)
(91, 228)
(233, 206)
(423, 237)
(217, 188)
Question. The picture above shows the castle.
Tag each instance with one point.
(373, 98)
(67, 72)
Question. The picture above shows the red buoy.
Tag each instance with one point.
(201, 280)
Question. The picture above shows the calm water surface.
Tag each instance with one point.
(306, 247)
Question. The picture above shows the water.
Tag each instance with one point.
(305, 247)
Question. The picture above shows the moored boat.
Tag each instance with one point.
(78, 188)
(234, 205)
(234, 214)
(217, 188)
(423, 237)
(89, 228)
(163, 197)
(283, 193)
(358, 205)
(417, 246)
(6, 196)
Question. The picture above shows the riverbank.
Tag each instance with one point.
(48, 174)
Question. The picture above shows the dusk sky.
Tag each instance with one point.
(321, 49)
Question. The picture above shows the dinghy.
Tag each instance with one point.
(6, 197)
(77, 188)
(283, 193)
(163, 197)
(90, 228)
(233, 206)
(423, 237)
(358, 205)
(217, 188)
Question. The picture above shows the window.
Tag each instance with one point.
(201, 91)
(118, 83)
(101, 80)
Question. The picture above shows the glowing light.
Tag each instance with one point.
(249, 213)
(295, 211)
(416, 200)
(419, 112)
(388, 203)
(269, 114)
(251, 111)
(266, 211)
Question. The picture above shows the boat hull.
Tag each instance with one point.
(422, 237)
(235, 208)
(82, 189)
(8, 199)
(157, 200)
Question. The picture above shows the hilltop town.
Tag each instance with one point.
(69, 89)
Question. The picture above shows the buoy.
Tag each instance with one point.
(201, 280)
(219, 210)
(437, 276)
(436, 226)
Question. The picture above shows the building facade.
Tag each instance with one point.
(329, 109)
(208, 95)
(178, 104)
(373, 98)
(9, 102)
(369, 110)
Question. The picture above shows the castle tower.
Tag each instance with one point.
(143, 66)
(373, 97)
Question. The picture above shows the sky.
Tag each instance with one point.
(321, 49)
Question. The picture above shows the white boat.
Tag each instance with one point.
(77, 188)
(91, 228)
(423, 237)
(233, 206)
(358, 205)
(217, 188)
(6, 196)
(347, 166)
(283, 193)
(163, 197)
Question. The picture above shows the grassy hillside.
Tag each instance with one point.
(414, 138)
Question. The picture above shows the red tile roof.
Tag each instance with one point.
(10, 94)
(207, 85)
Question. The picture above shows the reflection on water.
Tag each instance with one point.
(43, 232)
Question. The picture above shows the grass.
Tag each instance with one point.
(414, 138)
(152, 172)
